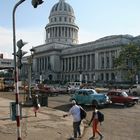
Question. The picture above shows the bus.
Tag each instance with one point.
(6, 84)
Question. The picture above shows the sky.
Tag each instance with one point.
(95, 19)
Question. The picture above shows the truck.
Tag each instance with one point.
(6, 84)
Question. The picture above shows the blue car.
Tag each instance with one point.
(89, 97)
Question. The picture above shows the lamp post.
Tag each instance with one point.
(35, 3)
(16, 74)
(137, 79)
(30, 76)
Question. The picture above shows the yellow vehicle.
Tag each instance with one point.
(6, 84)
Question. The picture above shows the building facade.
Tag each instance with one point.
(61, 58)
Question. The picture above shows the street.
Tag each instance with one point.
(120, 123)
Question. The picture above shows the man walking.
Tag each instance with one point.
(75, 112)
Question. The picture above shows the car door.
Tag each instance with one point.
(80, 98)
(86, 97)
(113, 97)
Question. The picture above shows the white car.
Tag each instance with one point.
(135, 90)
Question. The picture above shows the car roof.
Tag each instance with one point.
(117, 90)
(86, 90)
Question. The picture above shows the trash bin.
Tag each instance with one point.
(13, 111)
(43, 99)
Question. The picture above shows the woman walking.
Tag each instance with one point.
(36, 105)
(95, 121)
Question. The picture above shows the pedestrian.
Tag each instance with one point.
(75, 112)
(95, 122)
(36, 104)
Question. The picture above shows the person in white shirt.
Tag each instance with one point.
(75, 112)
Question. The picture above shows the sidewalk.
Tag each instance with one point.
(48, 125)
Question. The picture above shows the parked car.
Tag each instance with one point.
(135, 90)
(122, 97)
(89, 97)
(72, 87)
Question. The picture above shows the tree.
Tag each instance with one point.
(128, 61)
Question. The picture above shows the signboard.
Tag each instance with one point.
(6, 63)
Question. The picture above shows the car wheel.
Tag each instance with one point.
(126, 104)
(135, 93)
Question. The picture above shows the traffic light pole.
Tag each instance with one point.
(35, 3)
(16, 74)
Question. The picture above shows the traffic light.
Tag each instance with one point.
(35, 3)
(20, 53)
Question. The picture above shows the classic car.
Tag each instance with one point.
(89, 97)
(122, 97)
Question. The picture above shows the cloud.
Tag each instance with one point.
(34, 37)
(6, 42)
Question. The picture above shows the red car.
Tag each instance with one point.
(122, 97)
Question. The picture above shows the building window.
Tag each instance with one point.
(107, 77)
(55, 19)
(107, 62)
(93, 61)
(65, 31)
(112, 76)
(73, 64)
(60, 19)
(66, 64)
(76, 62)
(63, 65)
(102, 62)
(59, 31)
(69, 64)
(65, 19)
(88, 62)
(102, 76)
(84, 62)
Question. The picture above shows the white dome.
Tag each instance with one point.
(61, 26)
(62, 8)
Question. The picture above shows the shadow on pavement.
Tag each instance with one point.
(65, 107)
(6, 118)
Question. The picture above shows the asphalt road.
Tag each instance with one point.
(121, 123)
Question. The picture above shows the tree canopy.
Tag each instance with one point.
(129, 60)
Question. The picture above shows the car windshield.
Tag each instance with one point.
(92, 92)
(124, 94)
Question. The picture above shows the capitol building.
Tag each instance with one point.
(61, 58)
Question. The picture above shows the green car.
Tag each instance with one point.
(89, 97)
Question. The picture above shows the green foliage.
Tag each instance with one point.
(129, 60)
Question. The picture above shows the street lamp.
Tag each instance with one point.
(35, 3)
(137, 79)
(16, 74)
